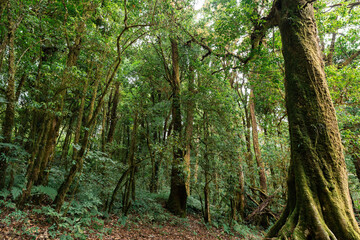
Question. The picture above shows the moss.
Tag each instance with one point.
(318, 205)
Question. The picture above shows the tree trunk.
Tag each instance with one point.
(249, 156)
(113, 116)
(178, 196)
(154, 161)
(130, 185)
(240, 195)
(9, 119)
(66, 145)
(318, 203)
(259, 161)
(207, 214)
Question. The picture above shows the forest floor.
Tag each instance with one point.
(32, 224)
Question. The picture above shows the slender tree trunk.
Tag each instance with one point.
(79, 121)
(66, 145)
(154, 162)
(113, 116)
(248, 154)
(240, 194)
(178, 196)
(103, 129)
(130, 186)
(207, 214)
(318, 203)
(256, 145)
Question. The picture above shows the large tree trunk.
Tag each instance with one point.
(178, 196)
(318, 204)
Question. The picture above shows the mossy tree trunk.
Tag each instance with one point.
(178, 196)
(318, 204)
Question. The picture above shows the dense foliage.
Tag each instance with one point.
(104, 102)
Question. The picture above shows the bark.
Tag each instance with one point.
(9, 119)
(178, 196)
(259, 161)
(318, 202)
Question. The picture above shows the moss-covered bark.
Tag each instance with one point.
(318, 205)
(178, 196)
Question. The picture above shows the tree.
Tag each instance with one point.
(318, 201)
(178, 195)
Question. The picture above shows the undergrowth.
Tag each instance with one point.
(82, 220)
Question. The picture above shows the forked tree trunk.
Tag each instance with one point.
(318, 204)
(178, 196)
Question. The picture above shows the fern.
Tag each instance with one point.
(15, 192)
(4, 193)
(48, 191)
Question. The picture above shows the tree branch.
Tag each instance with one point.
(349, 60)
